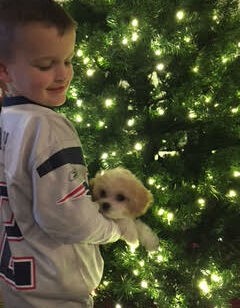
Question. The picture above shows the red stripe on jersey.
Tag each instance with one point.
(74, 194)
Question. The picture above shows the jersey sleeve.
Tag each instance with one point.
(62, 205)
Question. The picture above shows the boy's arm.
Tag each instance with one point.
(62, 205)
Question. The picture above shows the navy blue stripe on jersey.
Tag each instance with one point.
(16, 100)
(3, 190)
(66, 156)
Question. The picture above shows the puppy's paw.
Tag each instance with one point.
(129, 231)
(147, 237)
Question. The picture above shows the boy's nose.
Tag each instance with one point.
(61, 74)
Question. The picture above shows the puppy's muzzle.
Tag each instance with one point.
(105, 206)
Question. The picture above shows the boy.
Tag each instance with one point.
(50, 228)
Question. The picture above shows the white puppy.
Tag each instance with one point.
(122, 197)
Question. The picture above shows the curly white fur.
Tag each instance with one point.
(122, 197)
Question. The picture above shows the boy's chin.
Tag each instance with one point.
(54, 102)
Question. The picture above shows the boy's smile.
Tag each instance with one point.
(41, 69)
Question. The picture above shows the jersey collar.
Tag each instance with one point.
(20, 100)
(16, 100)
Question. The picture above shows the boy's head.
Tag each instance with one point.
(37, 39)
(17, 13)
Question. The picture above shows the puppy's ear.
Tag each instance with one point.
(91, 183)
(143, 200)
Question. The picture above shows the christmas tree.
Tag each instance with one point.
(157, 90)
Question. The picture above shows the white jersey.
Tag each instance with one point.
(50, 228)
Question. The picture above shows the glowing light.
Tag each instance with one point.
(79, 102)
(101, 124)
(125, 41)
(238, 44)
(180, 15)
(204, 287)
(151, 181)
(79, 53)
(108, 102)
(167, 153)
(138, 146)
(86, 60)
(134, 22)
(73, 92)
(215, 17)
(224, 59)
(158, 52)
(160, 258)
(142, 263)
(234, 110)
(135, 37)
(78, 118)
(232, 193)
(106, 283)
(154, 79)
(208, 99)
(130, 122)
(216, 278)
(195, 69)
(161, 212)
(136, 272)
(144, 284)
(124, 84)
(236, 174)
(160, 111)
(90, 72)
(170, 217)
(104, 156)
(118, 306)
(100, 60)
(160, 67)
(187, 39)
(192, 115)
(201, 202)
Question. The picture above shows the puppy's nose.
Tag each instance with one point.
(105, 206)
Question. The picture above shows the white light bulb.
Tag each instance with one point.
(125, 41)
(160, 67)
(144, 284)
(134, 22)
(104, 156)
(138, 146)
(180, 15)
(203, 285)
(108, 102)
(78, 118)
(135, 37)
(130, 122)
(90, 72)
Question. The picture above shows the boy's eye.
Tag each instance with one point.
(120, 197)
(68, 63)
(44, 68)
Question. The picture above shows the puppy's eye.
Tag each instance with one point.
(120, 197)
(103, 193)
